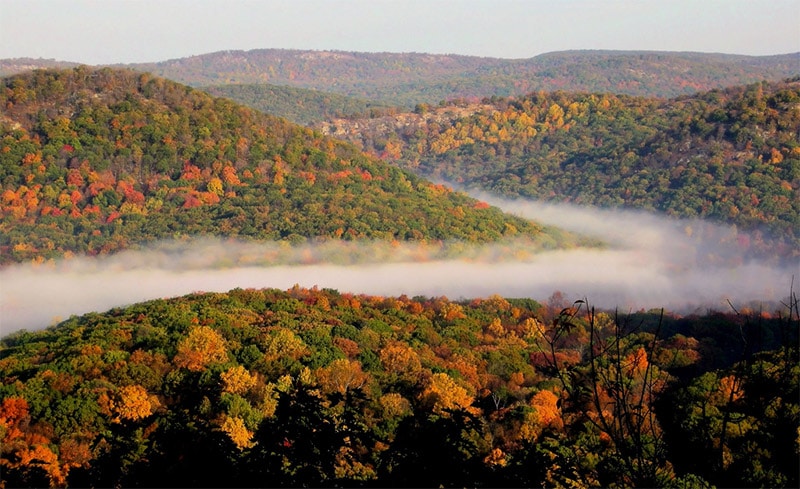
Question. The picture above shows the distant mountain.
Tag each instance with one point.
(729, 155)
(412, 78)
(408, 79)
(96, 161)
(299, 105)
(13, 66)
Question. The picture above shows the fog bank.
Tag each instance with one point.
(650, 262)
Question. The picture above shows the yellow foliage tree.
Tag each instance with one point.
(201, 347)
(239, 434)
(281, 342)
(394, 405)
(342, 374)
(130, 403)
(400, 359)
(546, 405)
(133, 403)
(443, 393)
(215, 186)
(237, 380)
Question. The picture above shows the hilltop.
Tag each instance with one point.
(96, 161)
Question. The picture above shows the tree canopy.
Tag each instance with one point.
(309, 387)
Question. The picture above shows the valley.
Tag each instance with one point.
(574, 270)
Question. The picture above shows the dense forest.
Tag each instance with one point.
(729, 155)
(301, 106)
(96, 161)
(309, 387)
(411, 78)
(407, 79)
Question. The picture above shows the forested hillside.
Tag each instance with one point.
(95, 161)
(412, 78)
(301, 106)
(729, 155)
(302, 387)
(407, 79)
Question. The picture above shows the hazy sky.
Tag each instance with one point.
(123, 31)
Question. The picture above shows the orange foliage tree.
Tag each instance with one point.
(341, 375)
(443, 394)
(201, 347)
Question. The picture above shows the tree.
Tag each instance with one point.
(442, 395)
(132, 402)
(202, 346)
(237, 380)
(623, 385)
(341, 375)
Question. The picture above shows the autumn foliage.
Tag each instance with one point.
(317, 387)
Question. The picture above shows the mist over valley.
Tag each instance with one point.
(648, 261)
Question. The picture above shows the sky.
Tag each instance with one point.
(129, 31)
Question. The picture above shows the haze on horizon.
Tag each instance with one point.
(120, 31)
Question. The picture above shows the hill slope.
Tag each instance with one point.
(412, 78)
(309, 388)
(301, 106)
(408, 79)
(729, 155)
(94, 161)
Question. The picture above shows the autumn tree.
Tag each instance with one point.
(202, 346)
(25, 454)
(237, 380)
(341, 375)
(443, 394)
(623, 387)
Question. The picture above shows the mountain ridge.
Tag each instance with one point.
(411, 78)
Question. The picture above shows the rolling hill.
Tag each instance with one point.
(412, 78)
(313, 387)
(408, 79)
(730, 155)
(299, 105)
(96, 161)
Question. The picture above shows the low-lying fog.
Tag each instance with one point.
(651, 262)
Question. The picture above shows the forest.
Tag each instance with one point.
(301, 106)
(321, 387)
(97, 161)
(310, 387)
(407, 79)
(730, 156)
